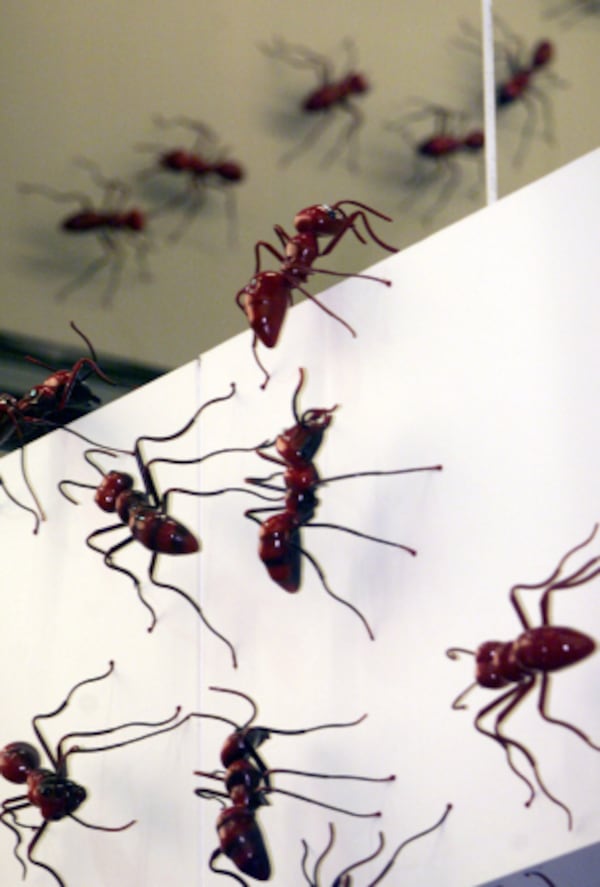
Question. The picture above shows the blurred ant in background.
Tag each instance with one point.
(330, 95)
(114, 223)
(205, 165)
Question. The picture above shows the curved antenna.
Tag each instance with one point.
(242, 695)
(542, 876)
(103, 828)
(332, 726)
(83, 734)
(211, 864)
(405, 843)
(61, 707)
(15, 501)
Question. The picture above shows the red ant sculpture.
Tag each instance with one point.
(438, 151)
(146, 513)
(280, 547)
(204, 165)
(51, 790)
(518, 87)
(60, 398)
(529, 660)
(112, 223)
(247, 782)
(266, 298)
(345, 877)
(331, 94)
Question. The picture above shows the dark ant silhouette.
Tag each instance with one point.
(520, 85)
(51, 790)
(247, 783)
(345, 878)
(331, 94)
(113, 223)
(146, 514)
(527, 662)
(60, 398)
(438, 152)
(267, 297)
(204, 165)
(280, 546)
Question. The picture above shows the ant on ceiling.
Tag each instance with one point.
(205, 165)
(330, 95)
(113, 222)
(435, 155)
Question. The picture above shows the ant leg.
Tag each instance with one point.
(81, 279)
(329, 311)
(452, 173)
(42, 865)
(366, 536)
(307, 139)
(193, 603)
(9, 808)
(416, 837)
(17, 502)
(107, 557)
(543, 698)
(346, 139)
(214, 856)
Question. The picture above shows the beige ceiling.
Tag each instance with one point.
(88, 79)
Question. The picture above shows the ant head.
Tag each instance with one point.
(320, 220)
(358, 83)
(175, 161)
(135, 219)
(488, 666)
(110, 489)
(55, 795)
(475, 140)
(17, 760)
(230, 171)
(543, 54)
(317, 420)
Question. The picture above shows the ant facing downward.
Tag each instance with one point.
(267, 297)
(527, 662)
(204, 165)
(280, 547)
(345, 878)
(112, 222)
(51, 790)
(332, 94)
(146, 514)
(60, 398)
(247, 783)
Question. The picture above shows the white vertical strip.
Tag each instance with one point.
(489, 101)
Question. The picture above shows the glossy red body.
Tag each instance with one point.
(96, 220)
(330, 94)
(17, 760)
(54, 794)
(241, 840)
(265, 301)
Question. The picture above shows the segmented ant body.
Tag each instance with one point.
(438, 152)
(280, 545)
(60, 398)
(205, 165)
(146, 513)
(112, 222)
(267, 297)
(528, 662)
(51, 790)
(346, 878)
(521, 84)
(331, 94)
(247, 783)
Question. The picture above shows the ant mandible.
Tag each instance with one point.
(146, 513)
(438, 151)
(51, 790)
(267, 297)
(60, 398)
(345, 878)
(112, 222)
(247, 782)
(331, 94)
(528, 661)
(280, 547)
(205, 165)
